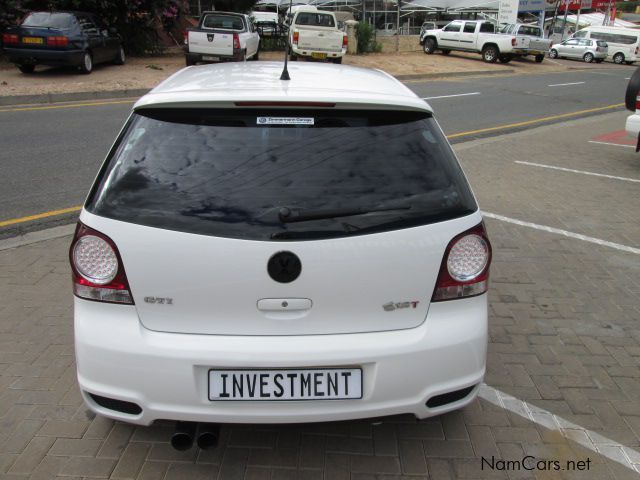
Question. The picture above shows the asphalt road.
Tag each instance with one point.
(50, 156)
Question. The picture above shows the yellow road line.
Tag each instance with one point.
(38, 216)
(532, 122)
(71, 105)
(53, 213)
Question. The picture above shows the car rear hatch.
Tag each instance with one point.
(44, 31)
(216, 34)
(316, 31)
(274, 222)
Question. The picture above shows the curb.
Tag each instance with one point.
(468, 73)
(71, 97)
(138, 92)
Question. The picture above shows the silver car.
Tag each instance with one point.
(583, 48)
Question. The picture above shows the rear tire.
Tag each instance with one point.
(618, 58)
(629, 63)
(553, 53)
(256, 56)
(445, 52)
(505, 58)
(539, 58)
(337, 60)
(188, 61)
(490, 54)
(86, 66)
(28, 69)
(599, 60)
(120, 57)
(633, 88)
(588, 57)
(429, 46)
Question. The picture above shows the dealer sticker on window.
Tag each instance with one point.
(284, 121)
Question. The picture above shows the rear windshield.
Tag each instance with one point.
(224, 22)
(235, 173)
(315, 19)
(50, 20)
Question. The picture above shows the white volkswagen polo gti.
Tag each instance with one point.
(260, 250)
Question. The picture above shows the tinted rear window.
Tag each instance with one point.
(47, 19)
(231, 173)
(315, 19)
(224, 22)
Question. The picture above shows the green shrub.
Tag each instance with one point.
(366, 37)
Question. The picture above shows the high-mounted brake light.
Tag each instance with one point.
(296, 36)
(284, 104)
(9, 39)
(97, 269)
(464, 271)
(60, 41)
(236, 42)
(345, 41)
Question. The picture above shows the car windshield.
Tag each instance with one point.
(50, 20)
(233, 173)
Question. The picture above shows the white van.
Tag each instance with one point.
(624, 43)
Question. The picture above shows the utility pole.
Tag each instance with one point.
(555, 16)
(398, 27)
(578, 16)
(564, 22)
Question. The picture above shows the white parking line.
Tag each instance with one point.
(612, 144)
(449, 96)
(564, 84)
(565, 233)
(583, 172)
(595, 442)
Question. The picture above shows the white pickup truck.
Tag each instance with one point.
(222, 36)
(529, 38)
(472, 36)
(315, 34)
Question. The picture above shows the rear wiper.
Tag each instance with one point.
(287, 215)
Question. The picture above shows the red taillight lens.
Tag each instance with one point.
(236, 41)
(296, 36)
(513, 42)
(57, 41)
(9, 39)
(345, 41)
(185, 36)
(97, 269)
(637, 48)
(638, 102)
(465, 267)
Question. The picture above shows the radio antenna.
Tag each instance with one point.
(285, 72)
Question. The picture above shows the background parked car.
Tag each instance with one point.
(74, 39)
(580, 48)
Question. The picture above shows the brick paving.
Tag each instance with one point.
(564, 336)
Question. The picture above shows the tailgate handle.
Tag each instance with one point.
(284, 304)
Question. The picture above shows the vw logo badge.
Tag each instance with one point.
(284, 267)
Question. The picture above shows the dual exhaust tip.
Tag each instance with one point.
(206, 435)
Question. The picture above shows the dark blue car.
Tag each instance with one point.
(73, 39)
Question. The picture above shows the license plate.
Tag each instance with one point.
(318, 55)
(308, 384)
(208, 58)
(37, 40)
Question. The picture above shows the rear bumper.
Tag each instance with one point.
(305, 52)
(23, 56)
(165, 374)
(199, 57)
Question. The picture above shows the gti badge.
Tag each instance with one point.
(159, 300)
(391, 306)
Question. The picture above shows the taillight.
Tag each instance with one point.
(236, 41)
(9, 38)
(637, 48)
(513, 42)
(345, 41)
(58, 41)
(97, 269)
(464, 271)
(638, 102)
(296, 35)
(185, 36)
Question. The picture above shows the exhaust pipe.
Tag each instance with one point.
(182, 438)
(208, 435)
